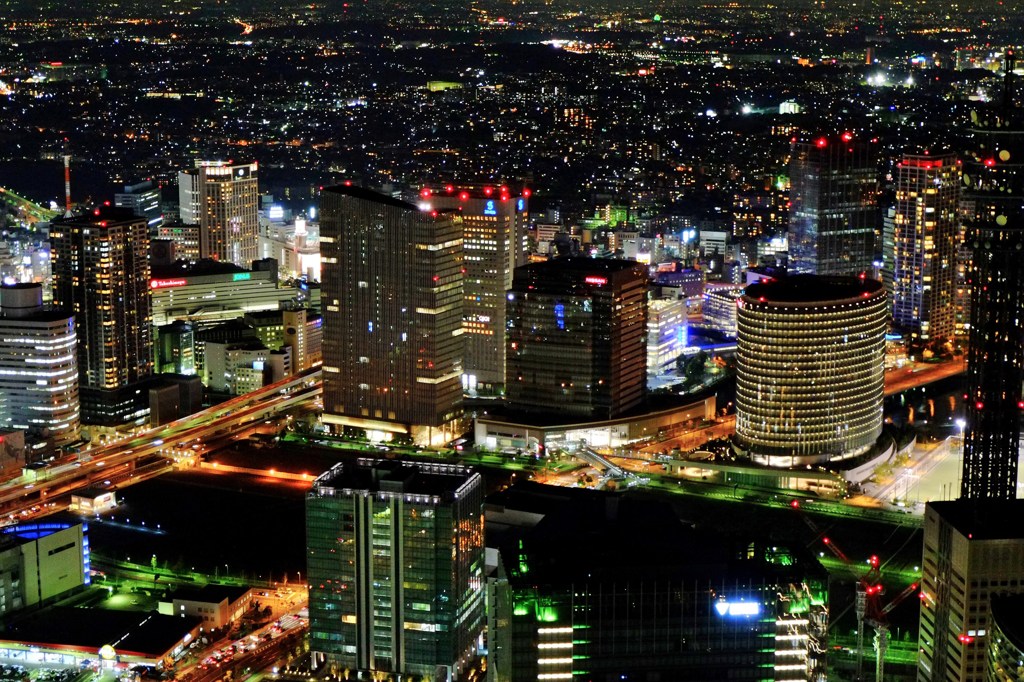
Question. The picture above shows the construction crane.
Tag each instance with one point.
(867, 600)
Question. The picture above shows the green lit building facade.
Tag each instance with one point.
(395, 566)
(684, 629)
(638, 596)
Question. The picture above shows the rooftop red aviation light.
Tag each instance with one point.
(847, 136)
(463, 196)
(822, 142)
(990, 162)
(488, 191)
(425, 192)
(449, 189)
(526, 192)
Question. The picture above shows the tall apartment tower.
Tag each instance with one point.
(395, 567)
(38, 368)
(973, 552)
(925, 231)
(222, 198)
(392, 315)
(577, 337)
(495, 244)
(832, 220)
(994, 219)
(101, 274)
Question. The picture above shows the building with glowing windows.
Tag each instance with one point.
(207, 293)
(495, 243)
(925, 230)
(577, 332)
(810, 365)
(392, 316)
(666, 333)
(621, 590)
(395, 567)
(994, 221)
(222, 198)
(973, 557)
(101, 273)
(1006, 641)
(38, 369)
(833, 196)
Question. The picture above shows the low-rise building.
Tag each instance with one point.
(215, 605)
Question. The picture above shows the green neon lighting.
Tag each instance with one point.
(240, 276)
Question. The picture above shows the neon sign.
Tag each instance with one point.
(166, 283)
(521, 205)
(489, 208)
(597, 281)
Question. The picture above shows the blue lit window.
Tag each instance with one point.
(560, 315)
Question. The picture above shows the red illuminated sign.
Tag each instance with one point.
(599, 281)
(166, 283)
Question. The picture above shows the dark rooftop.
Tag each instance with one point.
(582, 265)
(146, 634)
(984, 519)
(595, 535)
(395, 476)
(812, 289)
(108, 216)
(202, 267)
(1008, 614)
(365, 194)
(211, 594)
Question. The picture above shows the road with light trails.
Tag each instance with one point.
(152, 451)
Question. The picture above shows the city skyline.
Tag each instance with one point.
(488, 342)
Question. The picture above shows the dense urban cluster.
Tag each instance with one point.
(511, 342)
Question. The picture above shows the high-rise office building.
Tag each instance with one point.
(38, 368)
(993, 184)
(101, 274)
(222, 198)
(577, 337)
(832, 220)
(925, 228)
(392, 315)
(495, 243)
(653, 599)
(973, 553)
(395, 567)
(810, 356)
(143, 198)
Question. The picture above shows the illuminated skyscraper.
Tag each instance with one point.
(223, 199)
(993, 184)
(395, 567)
(38, 368)
(101, 274)
(810, 369)
(925, 228)
(495, 243)
(392, 315)
(576, 341)
(833, 206)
